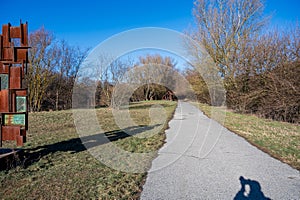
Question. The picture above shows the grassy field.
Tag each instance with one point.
(279, 139)
(58, 165)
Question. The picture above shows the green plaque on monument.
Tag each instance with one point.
(21, 104)
(14, 120)
(4, 81)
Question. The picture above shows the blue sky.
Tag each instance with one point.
(87, 23)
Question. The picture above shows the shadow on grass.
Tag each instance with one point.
(76, 145)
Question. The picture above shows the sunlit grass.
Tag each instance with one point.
(59, 167)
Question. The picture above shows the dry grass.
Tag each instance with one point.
(58, 166)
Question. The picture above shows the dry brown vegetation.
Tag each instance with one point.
(259, 67)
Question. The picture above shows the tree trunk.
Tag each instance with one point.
(56, 101)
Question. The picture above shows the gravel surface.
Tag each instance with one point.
(203, 160)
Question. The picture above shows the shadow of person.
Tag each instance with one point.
(255, 192)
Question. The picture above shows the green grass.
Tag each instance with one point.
(279, 139)
(58, 166)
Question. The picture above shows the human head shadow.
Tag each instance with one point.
(76, 145)
(255, 192)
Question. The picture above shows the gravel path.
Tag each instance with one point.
(203, 160)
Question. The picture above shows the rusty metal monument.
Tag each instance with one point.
(13, 93)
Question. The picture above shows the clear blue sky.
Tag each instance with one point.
(87, 23)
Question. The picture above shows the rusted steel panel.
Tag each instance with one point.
(10, 132)
(13, 102)
(5, 34)
(3, 68)
(7, 134)
(24, 35)
(21, 92)
(4, 106)
(15, 32)
(20, 140)
(24, 66)
(20, 54)
(1, 47)
(8, 54)
(15, 78)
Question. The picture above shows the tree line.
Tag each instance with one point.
(52, 69)
(258, 66)
(150, 77)
(54, 64)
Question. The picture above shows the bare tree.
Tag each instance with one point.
(67, 61)
(225, 29)
(156, 69)
(109, 76)
(40, 66)
(53, 66)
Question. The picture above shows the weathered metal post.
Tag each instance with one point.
(13, 93)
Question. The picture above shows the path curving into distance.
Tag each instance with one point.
(225, 166)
